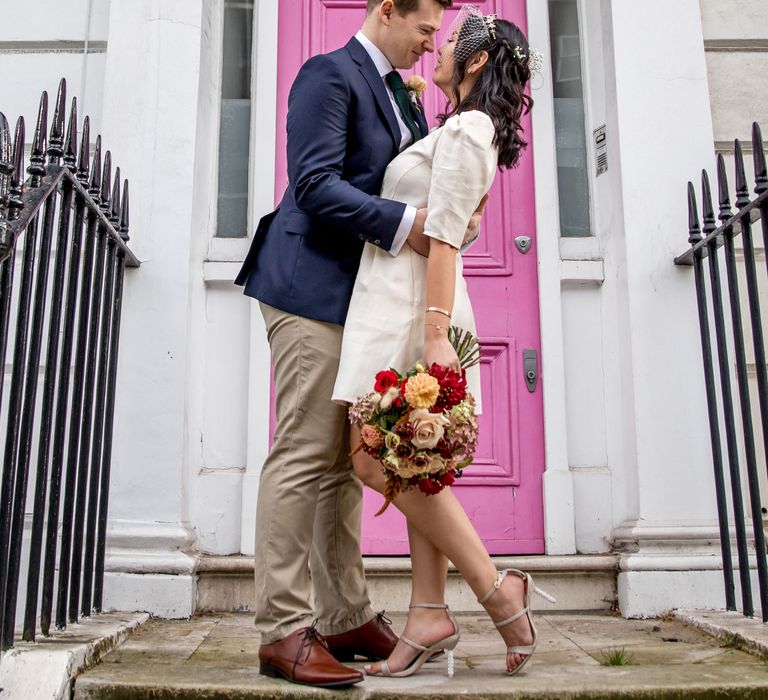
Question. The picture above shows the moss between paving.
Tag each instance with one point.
(215, 657)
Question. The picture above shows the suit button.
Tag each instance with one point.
(361, 236)
(377, 241)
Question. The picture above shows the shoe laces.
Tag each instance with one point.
(383, 618)
(310, 636)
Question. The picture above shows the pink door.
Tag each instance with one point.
(502, 490)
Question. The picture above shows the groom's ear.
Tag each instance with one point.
(385, 10)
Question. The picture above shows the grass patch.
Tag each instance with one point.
(615, 657)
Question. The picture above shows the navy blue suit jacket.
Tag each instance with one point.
(342, 134)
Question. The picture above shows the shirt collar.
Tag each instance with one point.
(379, 59)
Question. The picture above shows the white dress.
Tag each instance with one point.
(448, 172)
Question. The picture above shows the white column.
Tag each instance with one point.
(263, 137)
(660, 136)
(150, 121)
(559, 531)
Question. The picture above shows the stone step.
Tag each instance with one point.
(578, 582)
(215, 657)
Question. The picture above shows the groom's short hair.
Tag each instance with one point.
(403, 7)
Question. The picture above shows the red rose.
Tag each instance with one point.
(430, 487)
(385, 380)
(447, 479)
(453, 387)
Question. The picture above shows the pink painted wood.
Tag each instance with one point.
(502, 490)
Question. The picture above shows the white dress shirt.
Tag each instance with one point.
(384, 66)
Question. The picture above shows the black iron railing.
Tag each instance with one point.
(63, 252)
(724, 412)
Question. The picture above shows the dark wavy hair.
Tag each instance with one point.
(500, 87)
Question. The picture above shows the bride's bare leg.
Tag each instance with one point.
(443, 522)
(429, 568)
(424, 625)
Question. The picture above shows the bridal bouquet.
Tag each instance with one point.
(421, 426)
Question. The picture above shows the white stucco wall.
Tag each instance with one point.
(627, 453)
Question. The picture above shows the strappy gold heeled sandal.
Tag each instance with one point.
(425, 653)
(525, 650)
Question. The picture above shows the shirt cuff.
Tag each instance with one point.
(401, 235)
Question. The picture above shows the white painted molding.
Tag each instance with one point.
(150, 547)
(582, 271)
(262, 197)
(559, 517)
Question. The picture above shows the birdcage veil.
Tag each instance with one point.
(472, 31)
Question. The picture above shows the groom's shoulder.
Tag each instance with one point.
(337, 59)
(332, 69)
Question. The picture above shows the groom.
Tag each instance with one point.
(349, 115)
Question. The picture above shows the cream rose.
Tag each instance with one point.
(428, 428)
(416, 84)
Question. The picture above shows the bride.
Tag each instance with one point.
(402, 308)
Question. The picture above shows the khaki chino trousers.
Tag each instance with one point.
(310, 502)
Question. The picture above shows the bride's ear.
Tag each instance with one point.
(478, 62)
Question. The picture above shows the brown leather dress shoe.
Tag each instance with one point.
(374, 640)
(303, 657)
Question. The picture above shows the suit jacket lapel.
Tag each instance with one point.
(375, 82)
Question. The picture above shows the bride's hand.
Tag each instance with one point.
(437, 348)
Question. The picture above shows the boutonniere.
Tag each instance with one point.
(415, 86)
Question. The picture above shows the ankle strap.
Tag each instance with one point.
(496, 584)
(440, 606)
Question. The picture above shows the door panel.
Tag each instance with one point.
(502, 490)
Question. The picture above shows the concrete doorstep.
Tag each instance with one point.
(44, 669)
(580, 655)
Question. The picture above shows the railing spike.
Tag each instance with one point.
(85, 155)
(694, 230)
(56, 145)
(15, 203)
(37, 158)
(708, 211)
(761, 174)
(6, 162)
(94, 187)
(106, 182)
(70, 152)
(114, 202)
(124, 213)
(6, 146)
(724, 194)
(742, 190)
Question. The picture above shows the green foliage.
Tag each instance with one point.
(615, 657)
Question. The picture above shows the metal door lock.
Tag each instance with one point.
(523, 244)
(531, 369)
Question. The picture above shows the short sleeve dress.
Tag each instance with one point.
(448, 172)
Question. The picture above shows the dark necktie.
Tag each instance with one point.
(395, 82)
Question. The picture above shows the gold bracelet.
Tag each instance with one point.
(440, 311)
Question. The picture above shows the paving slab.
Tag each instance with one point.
(45, 668)
(215, 656)
(749, 633)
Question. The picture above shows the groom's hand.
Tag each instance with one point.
(473, 230)
(416, 238)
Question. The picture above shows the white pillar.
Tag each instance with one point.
(559, 530)
(150, 121)
(660, 136)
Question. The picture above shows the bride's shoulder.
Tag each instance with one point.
(472, 124)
